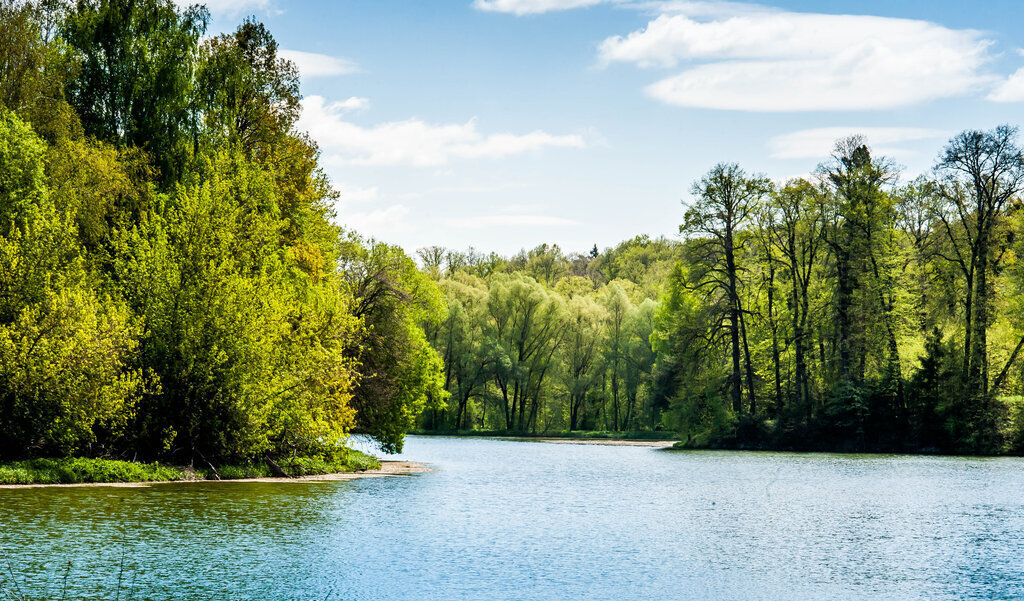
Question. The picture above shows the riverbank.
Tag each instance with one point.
(387, 469)
(77, 471)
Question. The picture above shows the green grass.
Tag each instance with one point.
(82, 470)
(79, 470)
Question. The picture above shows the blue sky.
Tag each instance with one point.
(501, 124)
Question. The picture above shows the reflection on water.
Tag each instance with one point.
(521, 520)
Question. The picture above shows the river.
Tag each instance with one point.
(534, 521)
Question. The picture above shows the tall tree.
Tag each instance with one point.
(725, 200)
(978, 175)
(798, 237)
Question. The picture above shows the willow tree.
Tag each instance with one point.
(527, 326)
(618, 307)
(461, 341)
(580, 355)
(400, 372)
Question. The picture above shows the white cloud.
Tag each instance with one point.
(519, 208)
(531, 7)
(354, 103)
(414, 142)
(783, 61)
(818, 143)
(311, 64)
(687, 7)
(352, 194)
(379, 222)
(1009, 90)
(509, 220)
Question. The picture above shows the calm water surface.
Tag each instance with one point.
(523, 520)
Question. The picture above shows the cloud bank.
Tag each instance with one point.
(785, 61)
(413, 141)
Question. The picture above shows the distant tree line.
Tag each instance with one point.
(171, 283)
(848, 310)
(547, 341)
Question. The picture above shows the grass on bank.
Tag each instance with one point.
(81, 470)
(575, 434)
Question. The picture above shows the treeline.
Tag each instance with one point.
(171, 283)
(848, 310)
(547, 341)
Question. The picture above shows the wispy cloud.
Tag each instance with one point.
(685, 7)
(482, 221)
(532, 7)
(818, 143)
(415, 142)
(354, 103)
(378, 222)
(354, 194)
(311, 64)
(1010, 89)
(786, 61)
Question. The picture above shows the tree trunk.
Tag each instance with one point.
(844, 294)
(734, 326)
(775, 338)
(979, 350)
(749, 365)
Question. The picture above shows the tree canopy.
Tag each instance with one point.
(172, 280)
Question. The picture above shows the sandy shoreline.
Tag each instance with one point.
(387, 469)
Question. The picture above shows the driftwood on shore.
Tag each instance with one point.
(276, 469)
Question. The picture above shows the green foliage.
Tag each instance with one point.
(401, 372)
(846, 293)
(65, 348)
(251, 95)
(81, 470)
(171, 283)
(136, 74)
(524, 356)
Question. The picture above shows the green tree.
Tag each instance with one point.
(400, 373)
(137, 61)
(65, 348)
(580, 354)
(725, 200)
(527, 325)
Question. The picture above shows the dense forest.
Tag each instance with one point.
(174, 284)
(848, 310)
